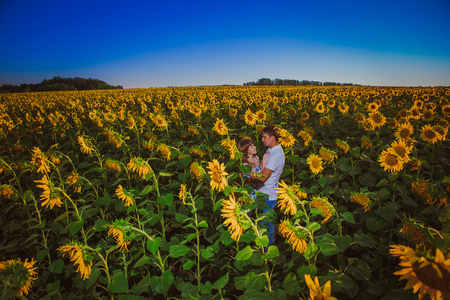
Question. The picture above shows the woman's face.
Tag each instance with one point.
(252, 149)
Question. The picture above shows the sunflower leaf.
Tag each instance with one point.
(244, 254)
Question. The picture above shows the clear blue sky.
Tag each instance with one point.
(140, 44)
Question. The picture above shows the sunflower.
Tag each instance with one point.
(424, 273)
(325, 206)
(286, 198)
(182, 193)
(74, 180)
(193, 130)
(420, 188)
(417, 233)
(315, 163)
(366, 143)
(150, 136)
(49, 196)
(372, 107)
(320, 108)
(414, 113)
(400, 148)
(296, 235)
(121, 234)
(390, 161)
(441, 132)
(429, 106)
(446, 109)
(286, 139)
(230, 146)
(427, 115)
(343, 108)
(6, 191)
(130, 123)
(231, 211)
(197, 171)
(217, 171)
(327, 155)
(292, 111)
(233, 112)
(196, 111)
(149, 145)
(316, 292)
(196, 150)
(109, 116)
(342, 145)
(124, 195)
(80, 257)
(54, 157)
(113, 138)
(165, 151)
(220, 127)
(404, 131)
(415, 165)
(22, 274)
(40, 161)
(250, 118)
(305, 115)
(418, 103)
(160, 121)
(113, 165)
(139, 166)
(362, 200)
(261, 115)
(428, 134)
(325, 121)
(376, 119)
(306, 137)
(85, 148)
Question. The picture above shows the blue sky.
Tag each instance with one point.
(141, 44)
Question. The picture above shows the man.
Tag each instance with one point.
(272, 171)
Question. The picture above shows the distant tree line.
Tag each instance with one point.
(268, 81)
(59, 84)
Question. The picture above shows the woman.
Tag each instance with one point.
(250, 157)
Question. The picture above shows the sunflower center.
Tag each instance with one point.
(427, 114)
(430, 276)
(404, 133)
(430, 134)
(400, 151)
(391, 160)
(376, 118)
(315, 163)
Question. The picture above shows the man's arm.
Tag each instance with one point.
(260, 180)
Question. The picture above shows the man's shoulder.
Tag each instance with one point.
(277, 150)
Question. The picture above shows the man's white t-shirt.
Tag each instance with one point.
(275, 162)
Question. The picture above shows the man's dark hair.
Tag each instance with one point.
(271, 131)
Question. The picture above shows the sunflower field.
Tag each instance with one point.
(137, 194)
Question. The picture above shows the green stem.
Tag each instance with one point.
(194, 209)
(266, 266)
(105, 264)
(76, 212)
(161, 266)
(42, 230)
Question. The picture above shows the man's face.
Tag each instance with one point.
(267, 139)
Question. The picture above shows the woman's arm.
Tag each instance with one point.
(260, 180)
(264, 161)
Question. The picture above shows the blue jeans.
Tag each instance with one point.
(272, 204)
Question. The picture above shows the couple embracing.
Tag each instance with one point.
(271, 166)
